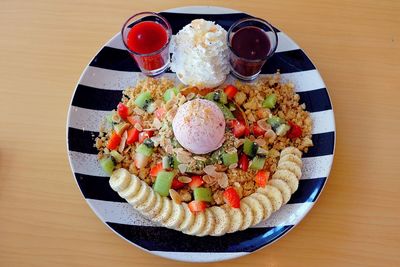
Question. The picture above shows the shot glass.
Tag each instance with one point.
(251, 42)
(147, 36)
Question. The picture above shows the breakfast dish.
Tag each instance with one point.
(99, 91)
(207, 148)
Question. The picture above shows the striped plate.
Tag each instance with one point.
(99, 91)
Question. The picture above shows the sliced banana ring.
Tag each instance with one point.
(187, 220)
(176, 217)
(236, 219)
(198, 224)
(247, 215)
(165, 211)
(265, 202)
(290, 166)
(156, 208)
(291, 150)
(120, 179)
(292, 158)
(288, 177)
(210, 223)
(283, 187)
(256, 207)
(149, 203)
(131, 189)
(221, 221)
(141, 195)
(274, 195)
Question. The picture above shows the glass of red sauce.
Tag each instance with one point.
(146, 36)
(251, 42)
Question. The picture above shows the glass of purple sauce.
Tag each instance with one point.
(251, 42)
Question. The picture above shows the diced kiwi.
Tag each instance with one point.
(169, 162)
(282, 129)
(275, 121)
(163, 183)
(227, 113)
(144, 150)
(257, 163)
(230, 158)
(202, 194)
(269, 101)
(170, 93)
(108, 165)
(217, 96)
(118, 157)
(143, 100)
(151, 107)
(121, 127)
(149, 143)
(250, 148)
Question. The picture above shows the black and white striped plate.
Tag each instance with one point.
(99, 91)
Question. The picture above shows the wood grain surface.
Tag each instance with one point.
(44, 47)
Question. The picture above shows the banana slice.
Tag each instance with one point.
(165, 211)
(236, 219)
(120, 179)
(210, 223)
(187, 220)
(155, 208)
(132, 189)
(221, 221)
(274, 195)
(148, 203)
(247, 215)
(283, 187)
(291, 150)
(141, 195)
(256, 207)
(265, 202)
(290, 166)
(292, 158)
(288, 177)
(176, 217)
(198, 224)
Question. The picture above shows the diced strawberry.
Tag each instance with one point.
(244, 162)
(123, 111)
(156, 169)
(176, 184)
(160, 113)
(197, 206)
(295, 130)
(231, 197)
(144, 135)
(133, 136)
(196, 181)
(230, 91)
(247, 131)
(257, 130)
(262, 178)
(133, 119)
(238, 128)
(114, 141)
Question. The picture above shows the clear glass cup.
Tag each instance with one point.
(155, 62)
(246, 63)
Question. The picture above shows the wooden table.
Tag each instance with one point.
(44, 46)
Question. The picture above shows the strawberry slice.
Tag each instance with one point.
(244, 162)
(133, 136)
(238, 128)
(196, 181)
(176, 184)
(262, 178)
(123, 111)
(114, 141)
(230, 91)
(231, 197)
(156, 169)
(257, 130)
(197, 206)
(295, 130)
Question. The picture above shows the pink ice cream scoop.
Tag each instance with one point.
(199, 126)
